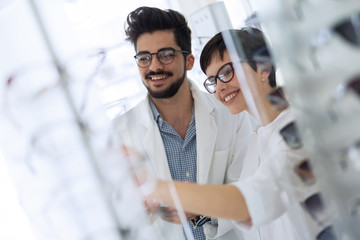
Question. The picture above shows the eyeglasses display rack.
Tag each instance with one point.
(316, 47)
(72, 176)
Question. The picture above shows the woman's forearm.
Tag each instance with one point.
(220, 201)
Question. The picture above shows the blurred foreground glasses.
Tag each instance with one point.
(345, 100)
(315, 207)
(277, 99)
(291, 136)
(326, 234)
(41, 86)
(303, 170)
(165, 56)
(353, 85)
(350, 156)
(264, 60)
(349, 29)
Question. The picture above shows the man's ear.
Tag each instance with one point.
(190, 59)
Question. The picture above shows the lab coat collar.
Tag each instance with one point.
(206, 132)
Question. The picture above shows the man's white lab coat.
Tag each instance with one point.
(221, 146)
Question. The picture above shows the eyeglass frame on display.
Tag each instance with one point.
(292, 138)
(100, 53)
(342, 29)
(277, 99)
(303, 170)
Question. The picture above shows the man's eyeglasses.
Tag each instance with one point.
(165, 56)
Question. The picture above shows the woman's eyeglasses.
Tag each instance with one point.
(225, 74)
(165, 56)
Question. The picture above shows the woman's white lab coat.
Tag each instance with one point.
(271, 188)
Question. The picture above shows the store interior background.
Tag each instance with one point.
(303, 47)
(75, 27)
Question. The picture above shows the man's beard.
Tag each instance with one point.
(170, 91)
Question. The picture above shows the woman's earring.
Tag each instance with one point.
(262, 79)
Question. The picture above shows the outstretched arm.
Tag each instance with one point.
(219, 201)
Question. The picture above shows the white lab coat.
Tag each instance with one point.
(271, 188)
(221, 146)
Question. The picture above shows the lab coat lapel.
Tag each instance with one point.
(206, 132)
(153, 144)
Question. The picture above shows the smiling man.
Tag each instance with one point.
(184, 132)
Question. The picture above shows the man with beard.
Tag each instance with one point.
(184, 133)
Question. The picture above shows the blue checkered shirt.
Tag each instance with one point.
(181, 155)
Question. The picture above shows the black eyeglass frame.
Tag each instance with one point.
(139, 54)
(291, 136)
(218, 77)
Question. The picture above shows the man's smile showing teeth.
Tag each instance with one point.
(228, 98)
(154, 78)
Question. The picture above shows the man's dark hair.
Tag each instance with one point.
(253, 48)
(149, 19)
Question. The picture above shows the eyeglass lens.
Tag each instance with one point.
(315, 207)
(349, 29)
(303, 170)
(291, 135)
(326, 234)
(354, 85)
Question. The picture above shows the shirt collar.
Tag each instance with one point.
(155, 112)
(157, 116)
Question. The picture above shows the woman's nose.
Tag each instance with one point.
(220, 85)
